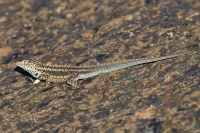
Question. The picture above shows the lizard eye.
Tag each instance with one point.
(25, 61)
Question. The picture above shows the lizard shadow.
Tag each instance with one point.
(23, 72)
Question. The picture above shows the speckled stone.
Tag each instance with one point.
(156, 97)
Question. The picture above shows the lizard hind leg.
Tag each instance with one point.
(73, 83)
(72, 80)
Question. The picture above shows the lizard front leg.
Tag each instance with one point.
(47, 84)
(36, 81)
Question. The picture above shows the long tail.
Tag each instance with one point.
(104, 68)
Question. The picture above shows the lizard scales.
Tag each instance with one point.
(71, 74)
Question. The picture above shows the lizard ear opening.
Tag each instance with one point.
(36, 74)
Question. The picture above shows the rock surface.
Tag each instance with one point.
(156, 97)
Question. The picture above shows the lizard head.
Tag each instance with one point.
(29, 66)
